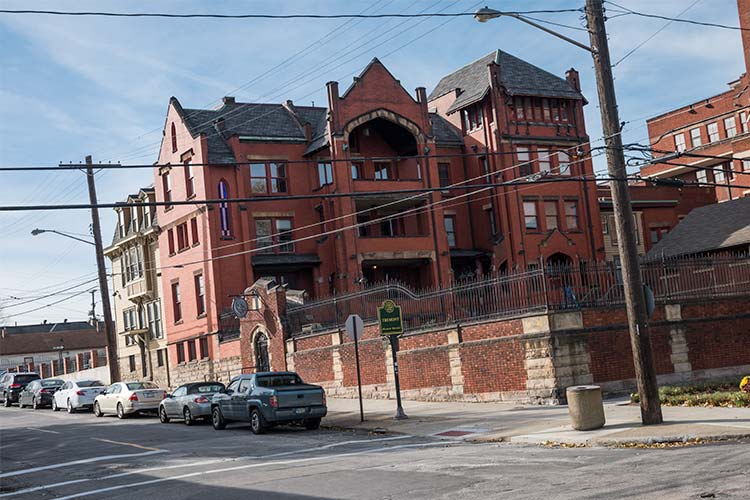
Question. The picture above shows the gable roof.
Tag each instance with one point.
(260, 121)
(29, 343)
(517, 76)
(712, 227)
(48, 327)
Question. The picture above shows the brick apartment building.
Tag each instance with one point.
(718, 126)
(496, 119)
(657, 210)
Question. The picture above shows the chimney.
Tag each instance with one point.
(44, 322)
(572, 77)
(333, 98)
(227, 100)
(4, 332)
(220, 127)
(65, 320)
(422, 100)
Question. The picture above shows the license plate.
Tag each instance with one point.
(148, 394)
(300, 411)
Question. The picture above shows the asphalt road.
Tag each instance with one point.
(56, 455)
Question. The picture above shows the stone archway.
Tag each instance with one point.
(261, 352)
(385, 115)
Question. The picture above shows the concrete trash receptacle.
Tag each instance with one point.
(585, 407)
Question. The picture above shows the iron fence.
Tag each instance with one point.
(548, 288)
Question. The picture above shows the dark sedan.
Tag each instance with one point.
(11, 385)
(39, 393)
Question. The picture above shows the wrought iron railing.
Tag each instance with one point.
(229, 325)
(551, 288)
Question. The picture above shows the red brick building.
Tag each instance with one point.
(718, 126)
(497, 119)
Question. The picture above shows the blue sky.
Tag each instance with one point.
(76, 86)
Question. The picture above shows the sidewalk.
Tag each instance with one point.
(487, 422)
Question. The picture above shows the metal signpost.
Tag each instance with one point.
(354, 329)
(392, 325)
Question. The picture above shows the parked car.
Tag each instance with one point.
(189, 402)
(126, 398)
(77, 395)
(38, 393)
(11, 385)
(267, 399)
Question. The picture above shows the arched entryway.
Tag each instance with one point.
(564, 284)
(260, 348)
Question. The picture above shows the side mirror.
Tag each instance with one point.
(167, 396)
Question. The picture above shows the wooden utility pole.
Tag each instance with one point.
(109, 328)
(635, 302)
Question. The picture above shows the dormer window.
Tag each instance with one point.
(473, 117)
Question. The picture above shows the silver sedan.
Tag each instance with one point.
(189, 402)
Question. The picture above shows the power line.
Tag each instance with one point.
(44, 306)
(644, 42)
(16, 304)
(267, 16)
(678, 20)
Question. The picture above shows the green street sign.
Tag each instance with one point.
(389, 317)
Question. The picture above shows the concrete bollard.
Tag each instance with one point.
(585, 407)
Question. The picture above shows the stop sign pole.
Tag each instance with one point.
(354, 328)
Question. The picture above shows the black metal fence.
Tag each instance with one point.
(550, 288)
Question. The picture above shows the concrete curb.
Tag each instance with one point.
(604, 442)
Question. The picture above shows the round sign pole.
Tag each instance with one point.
(359, 376)
(400, 414)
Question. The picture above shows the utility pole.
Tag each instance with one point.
(635, 303)
(93, 306)
(109, 328)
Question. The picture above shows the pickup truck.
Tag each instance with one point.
(269, 398)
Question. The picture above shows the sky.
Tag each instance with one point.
(74, 86)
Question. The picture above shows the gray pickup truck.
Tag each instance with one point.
(269, 398)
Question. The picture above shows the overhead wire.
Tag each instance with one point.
(677, 19)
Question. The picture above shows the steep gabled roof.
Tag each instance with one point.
(517, 76)
(712, 227)
(261, 121)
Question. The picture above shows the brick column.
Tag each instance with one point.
(69, 368)
(79, 362)
(338, 367)
(678, 341)
(30, 367)
(290, 348)
(94, 358)
(454, 359)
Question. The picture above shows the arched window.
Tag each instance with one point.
(173, 133)
(226, 230)
(262, 363)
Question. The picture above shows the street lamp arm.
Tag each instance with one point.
(485, 14)
(36, 232)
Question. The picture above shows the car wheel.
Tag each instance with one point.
(35, 404)
(187, 416)
(312, 424)
(257, 422)
(121, 411)
(217, 419)
(20, 405)
(54, 404)
(163, 417)
(70, 407)
(97, 410)
(6, 400)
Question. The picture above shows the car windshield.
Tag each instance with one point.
(278, 380)
(208, 388)
(25, 379)
(90, 383)
(135, 386)
(52, 383)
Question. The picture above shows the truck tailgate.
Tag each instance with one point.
(292, 396)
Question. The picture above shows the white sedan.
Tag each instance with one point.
(77, 394)
(126, 398)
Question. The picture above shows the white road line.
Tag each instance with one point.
(78, 462)
(248, 466)
(251, 457)
(42, 430)
(37, 488)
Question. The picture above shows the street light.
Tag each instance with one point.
(635, 301)
(37, 231)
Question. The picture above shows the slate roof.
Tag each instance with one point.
(29, 343)
(259, 121)
(517, 76)
(709, 228)
(48, 327)
(445, 132)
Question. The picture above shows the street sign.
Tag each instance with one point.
(354, 326)
(239, 307)
(389, 317)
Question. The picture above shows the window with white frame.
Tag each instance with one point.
(129, 319)
(563, 163)
(695, 137)
(746, 165)
(745, 122)
(730, 125)
(719, 175)
(543, 157)
(701, 176)
(679, 142)
(713, 132)
(153, 315)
